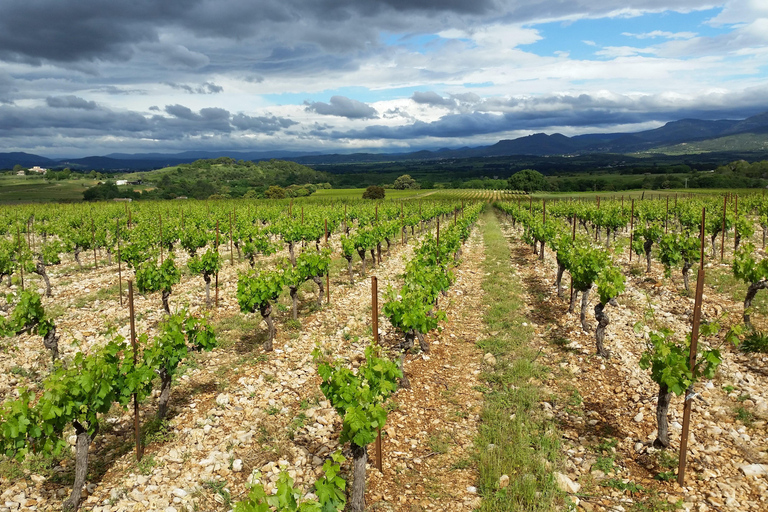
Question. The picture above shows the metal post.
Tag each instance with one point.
(217, 274)
(722, 241)
(375, 309)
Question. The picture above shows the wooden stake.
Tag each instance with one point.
(161, 239)
(631, 229)
(692, 359)
(217, 274)
(375, 309)
(722, 241)
(119, 264)
(136, 424)
(93, 241)
(231, 243)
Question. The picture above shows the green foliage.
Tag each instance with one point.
(746, 267)
(755, 341)
(373, 192)
(678, 248)
(179, 334)
(610, 283)
(528, 180)
(206, 265)
(668, 358)
(151, 277)
(358, 397)
(256, 291)
(329, 491)
(28, 314)
(405, 182)
(79, 394)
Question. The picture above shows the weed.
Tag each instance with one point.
(744, 397)
(756, 341)
(146, 465)
(272, 410)
(745, 416)
(461, 464)
(293, 325)
(157, 431)
(604, 464)
(621, 485)
(219, 487)
(728, 389)
(606, 446)
(439, 442)
(665, 476)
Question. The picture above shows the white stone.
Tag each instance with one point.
(566, 484)
(754, 469)
(179, 493)
(237, 465)
(639, 417)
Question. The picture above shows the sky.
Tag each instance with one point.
(94, 77)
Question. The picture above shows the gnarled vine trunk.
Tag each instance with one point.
(51, 342)
(166, 295)
(349, 269)
(713, 238)
(662, 437)
(77, 257)
(362, 257)
(559, 279)
(751, 292)
(647, 246)
(207, 279)
(687, 265)
(294, 291)
(583, 313)
(572, 305)
(81, 466)
(360, 458)
(373, 257)
(422, 342)
(602, 322)
(541, 252)
(266, 314)
(320, 289)
(291, 254)
(40, 270)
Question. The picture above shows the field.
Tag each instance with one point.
(509, 406)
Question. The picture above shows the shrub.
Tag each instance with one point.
(374, 192)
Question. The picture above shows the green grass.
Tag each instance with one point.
(526, 442)
(36, 189)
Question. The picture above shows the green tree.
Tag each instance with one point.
(405, 182)
(374, 192)
(275, 192)
(527, 180)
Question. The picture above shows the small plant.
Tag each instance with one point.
(439, 443)
(666, 459)
(219, 487)
(756, 341)
(665, 476)
(604, 464)
(621, 485)
(461, 464)
(728, 389)
(146, 465)
(272, 410)
(744, 416)
(606, 446)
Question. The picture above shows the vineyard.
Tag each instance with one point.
(526, 354)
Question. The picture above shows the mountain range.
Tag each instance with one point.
(744, 135)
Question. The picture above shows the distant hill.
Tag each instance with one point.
(692, 134)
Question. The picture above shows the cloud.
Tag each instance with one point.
(662, 34)
(261, 124)
(342, 106)
(206, 88)
(70, 102)
(432, 98)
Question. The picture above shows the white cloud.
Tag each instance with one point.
(662, 34)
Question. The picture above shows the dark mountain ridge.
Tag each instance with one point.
(539, 144)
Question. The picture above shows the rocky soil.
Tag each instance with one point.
(607, 408)
(238, 414)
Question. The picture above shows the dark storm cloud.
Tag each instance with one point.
(261, 124)
(47, 122)
(342, 106)
(432, 98)
(70, 102)
(206, 88)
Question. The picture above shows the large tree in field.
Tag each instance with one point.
(528, 181)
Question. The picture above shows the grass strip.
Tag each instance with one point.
(514, 438)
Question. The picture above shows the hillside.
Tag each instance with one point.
(227, 177)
